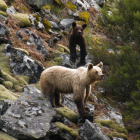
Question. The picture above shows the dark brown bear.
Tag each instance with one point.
(76, 36)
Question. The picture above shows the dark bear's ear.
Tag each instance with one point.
(84, 26)
(73, 24)
(100, 65)
(90, 66)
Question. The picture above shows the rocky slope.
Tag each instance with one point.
(34, 36)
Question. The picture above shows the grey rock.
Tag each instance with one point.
(11, 10)
(67, 100)
(22, 64)
(5, 41)
(33, 39)
(37, 4)
(29, 117)
(3, 30)
(91, 131)
(94, 4)
(54, 25)
(56, 134)
(100, 2)
(65, 24)
(3, 18)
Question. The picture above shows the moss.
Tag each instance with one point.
(118, 135)
(64, 48)
(66, 112)
(73, 132)
(4, 136)
(46, 24)
(24, 8)
(71, 6)
(47, 7)
(8, 84)
(36, 23)
(58, 2)
(60, 49)
(4, 59)
(23, 19)
(37, 17)
(112, 124)
(26, 78)
(3, 5)
(17, 83)
(80, 22)
(21, 80)
(3, 13)
(26, 52)
(58, 60)
(84, 16)
(6, 94)
(65, 32)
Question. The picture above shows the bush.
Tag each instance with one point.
(125, 75)
(124, 19)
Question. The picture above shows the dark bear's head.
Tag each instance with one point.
(78, 29)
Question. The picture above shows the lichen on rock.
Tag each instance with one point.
(6, 94)
(73, 132)
(58, 60)
(84, 16)
(4, 136)
(66, 112)
(71, 6)
(3, 5)
(23, 19)
(17, 84)
(59, 46)
(3, 13)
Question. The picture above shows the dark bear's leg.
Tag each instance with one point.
(82, 55)
(73, 55)
(88, 88)
(58, 100)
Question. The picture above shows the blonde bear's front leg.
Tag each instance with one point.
(79, 97)
(88, 92)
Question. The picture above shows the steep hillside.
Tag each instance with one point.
(34, 36)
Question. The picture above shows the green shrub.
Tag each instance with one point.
(124, 19)
(124, 73)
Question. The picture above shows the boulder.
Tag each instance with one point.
(91, 131)
(3, 5)
(3, 30)
(11, 10)
(29, 117)
(37, 4)
(3, 18)
(22, 64)
(23, 19)
(31, 38)
(65, 24)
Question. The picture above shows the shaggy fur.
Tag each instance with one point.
(76, 36)
(57, 79)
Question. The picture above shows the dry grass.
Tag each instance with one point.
(14, 27)
(21, 6)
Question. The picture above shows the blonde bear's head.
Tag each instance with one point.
(95, 72)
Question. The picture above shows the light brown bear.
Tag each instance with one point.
(57, 79)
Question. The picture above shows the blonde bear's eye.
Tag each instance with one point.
(96, 72)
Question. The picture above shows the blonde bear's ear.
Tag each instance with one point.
(90, 66)
(100, 65)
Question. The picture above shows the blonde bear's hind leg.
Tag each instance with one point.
(58, 100)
